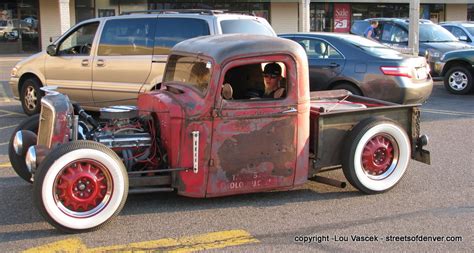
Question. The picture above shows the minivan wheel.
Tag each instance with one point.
(31, 95)
(458, 80)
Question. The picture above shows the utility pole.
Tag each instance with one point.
(413, 31)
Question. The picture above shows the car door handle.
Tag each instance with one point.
(290, 110)
(85, 63)
(100, 63)
(333, 65)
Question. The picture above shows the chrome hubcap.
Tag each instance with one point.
(30, 98)
(458, 80)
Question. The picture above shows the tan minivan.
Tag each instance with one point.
(110, 60)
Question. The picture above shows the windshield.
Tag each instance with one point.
(190, 71)
(435, 33)
(250, 26)
(371, 47)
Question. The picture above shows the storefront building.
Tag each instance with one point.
(26, 26)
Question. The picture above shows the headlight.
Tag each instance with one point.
(432, 53)
(14, 72)
(442, 57)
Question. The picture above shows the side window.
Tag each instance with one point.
(394, 34)
(265, 80)
(449, 28)
(171, 31)
(317, 49)
(127, 37)
(79, 42)
(458, 32)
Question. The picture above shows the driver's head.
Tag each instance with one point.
(272, 74)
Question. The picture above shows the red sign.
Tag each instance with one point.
(342, 18)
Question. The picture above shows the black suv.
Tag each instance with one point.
(393, 32)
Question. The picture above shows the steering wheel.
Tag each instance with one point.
(85, 49)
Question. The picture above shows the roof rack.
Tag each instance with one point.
(175, 11)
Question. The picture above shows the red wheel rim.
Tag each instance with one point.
(83, 188)
(379, 155)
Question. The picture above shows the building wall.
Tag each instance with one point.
(284, 17)
(456, 12)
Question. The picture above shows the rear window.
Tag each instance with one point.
(171, 31)
(370, 46)
(250, 26)
(190, 71)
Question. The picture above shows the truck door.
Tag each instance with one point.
(254, 139)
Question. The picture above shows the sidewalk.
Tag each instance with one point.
(12, 57)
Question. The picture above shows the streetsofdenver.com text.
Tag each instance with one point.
(375, 238)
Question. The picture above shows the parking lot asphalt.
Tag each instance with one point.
(431, 201)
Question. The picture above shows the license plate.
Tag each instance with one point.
(421, 73)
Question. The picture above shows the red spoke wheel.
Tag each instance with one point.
(376, 155)
(80, 186)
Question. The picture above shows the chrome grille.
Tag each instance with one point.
(46, 125)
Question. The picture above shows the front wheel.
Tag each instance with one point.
(30, 96)
(80, 186)
(376, 155)
(18, 161)
(458, 80)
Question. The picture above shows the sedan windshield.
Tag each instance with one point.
(435, 33)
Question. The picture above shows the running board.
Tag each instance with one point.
(149, 190)
(141, 181)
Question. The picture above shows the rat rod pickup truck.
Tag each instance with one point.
(207, 133)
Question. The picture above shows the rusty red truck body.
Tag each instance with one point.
(208, 132)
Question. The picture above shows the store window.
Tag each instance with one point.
(19, 26)
(470, 12)
(84, 10)
(321, 17)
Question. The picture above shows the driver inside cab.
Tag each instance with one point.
(272, 78)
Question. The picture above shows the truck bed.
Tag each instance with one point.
(334, 113)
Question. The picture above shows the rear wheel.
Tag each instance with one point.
(18, 161)
(376, 155)
(458, 80)
(80, 186)
(30, 96)
(349, 87)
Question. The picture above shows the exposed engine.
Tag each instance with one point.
(133, 137)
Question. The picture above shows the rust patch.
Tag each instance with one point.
(270, 149)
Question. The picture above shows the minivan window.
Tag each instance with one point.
(189, 70)
(435, 33)
(79, 42)
(394, 33)
(171, 31)
(127, 37)
(249, 26)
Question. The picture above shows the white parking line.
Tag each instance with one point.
(3, 143)
(447, 112)
(9, 112)
(3, 95)
(5, 127)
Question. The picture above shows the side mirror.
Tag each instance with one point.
(52, 50)
(463, 38)
(227, 91)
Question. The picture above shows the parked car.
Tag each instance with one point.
(433, 43)
(462, 30)
(111, 60)
(364, 67)
(11, 29)
(200, 137)
(457, 69)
